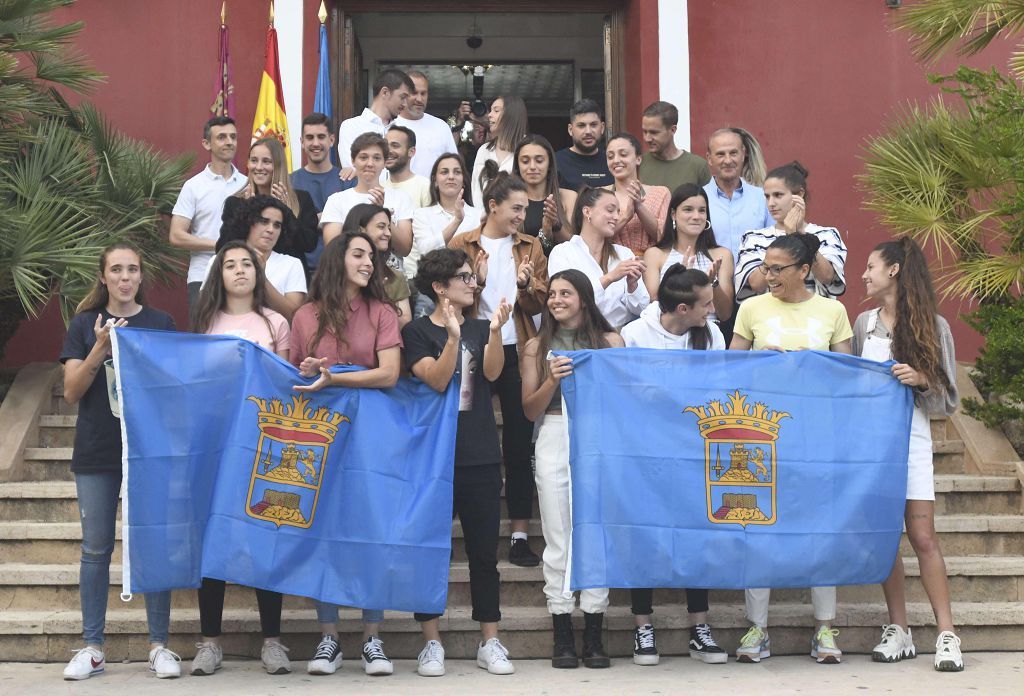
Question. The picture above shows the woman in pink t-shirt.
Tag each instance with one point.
(232, 301)
(348, 320)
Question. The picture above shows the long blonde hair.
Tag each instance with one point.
(280, 175)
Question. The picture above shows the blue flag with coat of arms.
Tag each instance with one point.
(343, 495)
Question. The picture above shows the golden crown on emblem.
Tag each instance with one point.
(720, 420)
(297, 417)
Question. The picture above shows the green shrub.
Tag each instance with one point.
(999, 370)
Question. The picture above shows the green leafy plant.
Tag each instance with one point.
(70, 184)
(999, 370)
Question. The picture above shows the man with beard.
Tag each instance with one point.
(318, 178)
(664, 164)
(585, 162)
(401, 151)
(433, 136)
(391, 92)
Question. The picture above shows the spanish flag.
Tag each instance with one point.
(270, 120)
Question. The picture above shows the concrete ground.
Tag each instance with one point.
(985, 674)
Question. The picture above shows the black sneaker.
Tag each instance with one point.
(327, 658)
(521, 554)
(645, 650)
(703, 646)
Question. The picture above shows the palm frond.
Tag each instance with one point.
(936, 26)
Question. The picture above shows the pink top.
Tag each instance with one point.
(252, 327)
(656, 200)
(372, 326)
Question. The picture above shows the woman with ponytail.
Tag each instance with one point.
(785, 191)
(614, 271)
(907, 328)
(679, 320)
(790, 317)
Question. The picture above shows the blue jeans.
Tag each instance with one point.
(97, 506)
(327, 613)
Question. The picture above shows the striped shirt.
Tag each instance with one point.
(755, 244)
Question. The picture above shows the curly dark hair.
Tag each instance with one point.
(246, 216)
(438, 266)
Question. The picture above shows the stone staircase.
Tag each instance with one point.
(980, 519)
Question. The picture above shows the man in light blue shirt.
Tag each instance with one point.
(736, 206)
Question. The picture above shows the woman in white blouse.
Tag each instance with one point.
(615, 272)
(508, 125)
(449, 214)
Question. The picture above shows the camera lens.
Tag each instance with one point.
(478, 107)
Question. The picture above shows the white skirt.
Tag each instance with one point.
(920, 470)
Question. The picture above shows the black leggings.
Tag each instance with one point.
(211, 609)
(477, 502)
(643, 600)
(516, 439)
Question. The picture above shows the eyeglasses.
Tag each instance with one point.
(466, 277)
(775, 270)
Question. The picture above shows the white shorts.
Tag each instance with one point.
(920, 470)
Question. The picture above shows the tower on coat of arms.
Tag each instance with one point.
(289, 465)
(739, 459)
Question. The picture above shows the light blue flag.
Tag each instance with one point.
(344, 495)
(721, 469)
(322, 100)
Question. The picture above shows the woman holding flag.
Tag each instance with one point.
(908, 328)
(115, 300)
(790, 316)
(349, 320)
(570, 321)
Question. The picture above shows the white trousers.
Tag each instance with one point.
(822, 598)
(551, 472)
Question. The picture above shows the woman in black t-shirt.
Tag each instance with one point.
(114, 301)
(439, 347)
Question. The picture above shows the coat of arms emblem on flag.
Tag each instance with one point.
(742, 489)
(288, 469)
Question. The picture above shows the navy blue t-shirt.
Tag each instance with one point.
(98, 434)
(319, 186)
(575, 169)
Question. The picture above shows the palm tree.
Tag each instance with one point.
(953, 177)
(69, 183)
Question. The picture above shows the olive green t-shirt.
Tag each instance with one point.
(687, 168)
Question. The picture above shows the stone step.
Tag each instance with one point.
(25, 586)
(46, 635)
(57, 430)
(948, 456)
(47, 464)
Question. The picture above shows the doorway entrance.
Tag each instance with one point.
(550, 59)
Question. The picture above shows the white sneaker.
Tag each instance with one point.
(948, 657)
(375, 662)
(493, 656)
(431, 660)
(896, 645)
(166, 664)
(275, 658)
(86, 662)
(208, 659)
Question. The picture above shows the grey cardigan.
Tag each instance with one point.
(935, 400)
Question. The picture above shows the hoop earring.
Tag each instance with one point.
(707, 225)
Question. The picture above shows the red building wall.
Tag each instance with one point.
(811, 79)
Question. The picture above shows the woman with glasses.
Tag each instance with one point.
(791, 317)
(785, 190)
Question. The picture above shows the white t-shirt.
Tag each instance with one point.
(284, 273)
(433, 139)
(485, 154)
(352, 128)
(417, 188)
(339, 204)
(501, 282)
(202, 201)
(427, 225)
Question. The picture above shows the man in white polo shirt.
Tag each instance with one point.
(195, 220)
(433, 136)
(391, 91)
